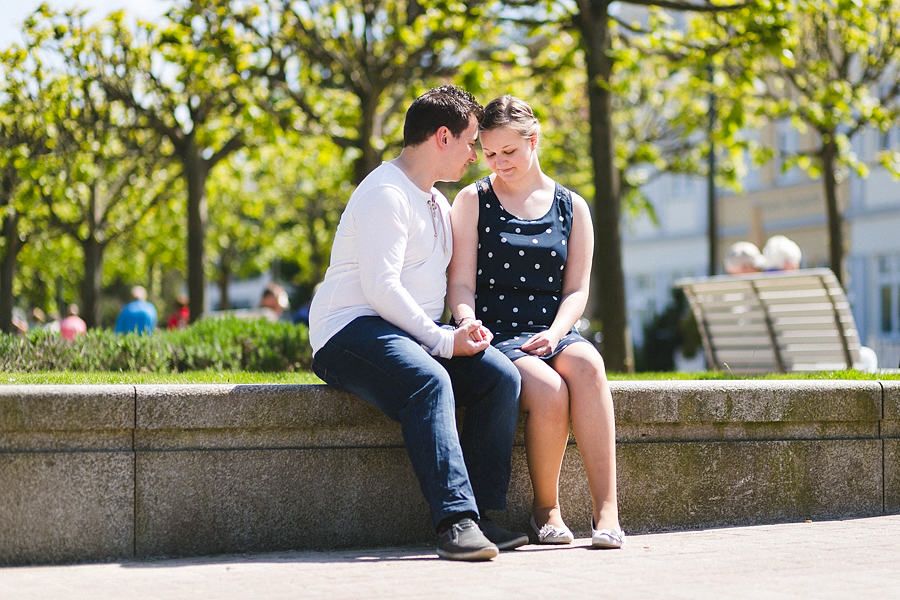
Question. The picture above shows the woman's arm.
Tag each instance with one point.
(464, 262)
(576, 281)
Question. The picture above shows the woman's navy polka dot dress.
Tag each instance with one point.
(521, 265)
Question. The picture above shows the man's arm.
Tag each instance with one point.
(381, 236)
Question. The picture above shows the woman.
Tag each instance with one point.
(521, 264)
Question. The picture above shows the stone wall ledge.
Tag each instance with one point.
(112, 472)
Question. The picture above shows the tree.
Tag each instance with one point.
(676, 110)
(836, 74)
(186, 82)
(98, 187)
(347, 69)
(660, 107)
(22, 139)
(101, 177)
(155, 250)
(592, 20)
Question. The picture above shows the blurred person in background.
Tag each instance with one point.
(72, 325)
(781, 254)
(275, 303)
(744, 257)
(138, 316)
(181, 315)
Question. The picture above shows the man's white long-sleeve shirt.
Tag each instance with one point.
(389, 259)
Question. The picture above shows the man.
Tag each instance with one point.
(374, 332)
(138, 316)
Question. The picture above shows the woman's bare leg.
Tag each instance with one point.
(545, 402)
(593, 422)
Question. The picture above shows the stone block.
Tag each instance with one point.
(892, 475)
(668, 486)
(249, 407)
(890, 425)
(736, 401)
(207, 502)
(94, 473)
(257, 416)
(48, 418)
(66, 507)
(67, 469)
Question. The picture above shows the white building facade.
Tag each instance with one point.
(775, 202)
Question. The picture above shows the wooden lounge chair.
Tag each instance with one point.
(774, 322)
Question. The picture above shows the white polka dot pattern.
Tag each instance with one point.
(516, 297)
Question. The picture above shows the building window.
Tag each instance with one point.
(889, 285)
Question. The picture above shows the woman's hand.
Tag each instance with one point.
(541, 344)
(480, 334)
(470, 338)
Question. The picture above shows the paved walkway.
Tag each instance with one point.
(857, 558)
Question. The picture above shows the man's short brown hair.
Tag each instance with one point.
(446, 106)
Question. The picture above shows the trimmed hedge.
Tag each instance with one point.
(225, 344)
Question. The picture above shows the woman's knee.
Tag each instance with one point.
(581, 361)
(545, 397)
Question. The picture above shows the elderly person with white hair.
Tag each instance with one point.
(744, 257)
(781, 254)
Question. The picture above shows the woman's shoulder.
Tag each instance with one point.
(469, 194)
(575, 196)
(578, 200)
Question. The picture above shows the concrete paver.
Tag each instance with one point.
(858, 558)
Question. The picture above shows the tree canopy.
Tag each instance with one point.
(227, 136)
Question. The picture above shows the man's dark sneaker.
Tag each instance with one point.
(503, 539)
(464, 541)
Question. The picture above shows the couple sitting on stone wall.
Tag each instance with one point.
(518, 247)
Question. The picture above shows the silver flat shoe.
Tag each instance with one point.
(607, 538)
(550, 534)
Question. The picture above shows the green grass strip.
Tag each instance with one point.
(306, 377)
(136, 378)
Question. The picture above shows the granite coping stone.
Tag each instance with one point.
(891, 400)
(66, 407)
(218, 406)
(261, 406)
(725, 401)
(279, 406)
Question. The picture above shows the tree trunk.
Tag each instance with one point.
(225, 281)
(370, 157)
(10, 228)
(829, 155)
(91, 284)
(195, 173)
(608, 273)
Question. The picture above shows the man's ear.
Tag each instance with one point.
(443, 135)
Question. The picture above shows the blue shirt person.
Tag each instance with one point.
(138, 316)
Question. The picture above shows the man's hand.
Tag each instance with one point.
(471, 338)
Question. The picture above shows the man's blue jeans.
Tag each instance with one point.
(383, 365)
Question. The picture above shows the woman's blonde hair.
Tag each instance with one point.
(509, 111)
